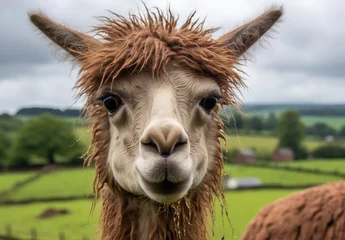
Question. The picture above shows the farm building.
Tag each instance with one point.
(329, 138)
(245, 157)
(283, 155)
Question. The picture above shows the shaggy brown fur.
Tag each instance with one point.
(317, 213)
(148, 44)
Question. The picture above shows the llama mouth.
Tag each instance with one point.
(164, 187)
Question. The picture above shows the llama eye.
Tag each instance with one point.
(208, 103)
(112, 103)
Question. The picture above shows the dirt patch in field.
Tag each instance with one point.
(52, 212)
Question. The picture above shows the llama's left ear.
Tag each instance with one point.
(72, 41)
(242, 38)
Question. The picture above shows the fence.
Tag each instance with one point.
(10, 233)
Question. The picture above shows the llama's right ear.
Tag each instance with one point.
(72, 41)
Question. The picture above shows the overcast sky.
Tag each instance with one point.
(304, 62)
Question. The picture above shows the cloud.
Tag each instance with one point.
(304, 58)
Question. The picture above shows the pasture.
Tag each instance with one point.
(8, 179)
(322, 164)
(60, 183)
(242, 205)
(334, 122)
(261, 143)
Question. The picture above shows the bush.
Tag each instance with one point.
(301, 153)
(321, 130)
(329, 151)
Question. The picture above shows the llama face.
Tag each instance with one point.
(159, 131)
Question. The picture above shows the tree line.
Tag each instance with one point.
(303, 109)
(258, 124)
(35, 111)
(48, 139)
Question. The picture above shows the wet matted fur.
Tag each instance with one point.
(151, 43)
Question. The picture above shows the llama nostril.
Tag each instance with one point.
(151, 145)
(177, 145)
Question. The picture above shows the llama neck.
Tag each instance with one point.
(125, 216)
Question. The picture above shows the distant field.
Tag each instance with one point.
(8, 179)
(322, 164)
(332, 121)
(242, 207)
(262, 143)
(60, 183)
(269, 176)
(335, 122)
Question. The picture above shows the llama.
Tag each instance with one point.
(316, 213)
(153, 92)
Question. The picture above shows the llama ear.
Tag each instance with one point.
(74, 42)
(242, 38)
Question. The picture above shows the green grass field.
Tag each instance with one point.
(60, 183)
(242, 207)
(75, 225)
(322, 164)
(335, 122)
(269, 176)
(261, 143)
(8, 179)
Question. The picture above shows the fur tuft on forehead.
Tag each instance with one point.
(149, 43)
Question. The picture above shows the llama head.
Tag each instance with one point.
(152, 92)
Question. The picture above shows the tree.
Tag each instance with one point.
(46, 136)
(271, 122)
(321, 130)
(5, 143)
(342, 132)
(291, 132)
(256, 123)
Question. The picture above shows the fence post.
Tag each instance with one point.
(8, 230)
(61, 236)
(33, 234)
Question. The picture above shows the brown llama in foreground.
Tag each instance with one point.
(317, 213)
(153, 92)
